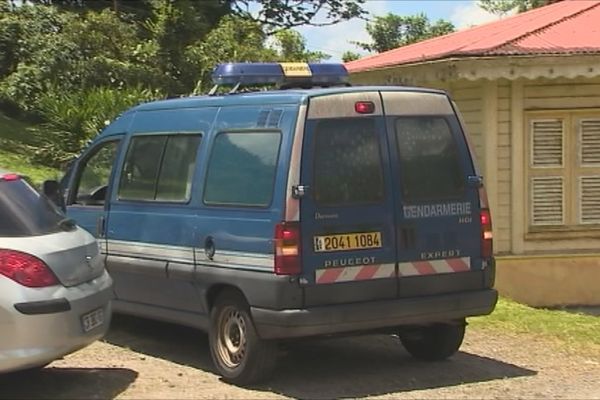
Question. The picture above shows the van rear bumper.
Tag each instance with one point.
(340, 318)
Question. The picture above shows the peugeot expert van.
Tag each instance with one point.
(315, 208)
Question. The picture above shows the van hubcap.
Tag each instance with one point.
(232, 337)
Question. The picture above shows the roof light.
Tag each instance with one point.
(303, 74)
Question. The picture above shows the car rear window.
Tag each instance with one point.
(25, 212)
(429, 162)
(347, 162)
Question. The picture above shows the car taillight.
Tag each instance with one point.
(25, 269)
(287, 249)
(9, 177)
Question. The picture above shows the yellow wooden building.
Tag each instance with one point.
(528, 88)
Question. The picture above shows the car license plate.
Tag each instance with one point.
(92, 320)
(348, 241)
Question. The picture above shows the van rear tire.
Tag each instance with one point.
(435, 342)
(239, 355)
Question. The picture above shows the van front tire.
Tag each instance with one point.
(239, 355)
(435, 342)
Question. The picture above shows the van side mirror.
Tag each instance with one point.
(51, 189)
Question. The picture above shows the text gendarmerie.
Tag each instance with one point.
(437, 210)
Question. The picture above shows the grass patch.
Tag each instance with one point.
(12, 129)
(20, 164)
(13, 153)
(573, 329)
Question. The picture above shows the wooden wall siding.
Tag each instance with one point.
(502, 213)
(469, 98)
(544, 94)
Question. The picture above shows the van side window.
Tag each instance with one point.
(159, 168)
(347, 164)
(429, 162)
(94, 175)
(242, 168)
(177, 169)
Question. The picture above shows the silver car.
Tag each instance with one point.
(54, 291)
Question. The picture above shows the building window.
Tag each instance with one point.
(563, 170)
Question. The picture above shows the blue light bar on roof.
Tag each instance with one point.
(280, 73)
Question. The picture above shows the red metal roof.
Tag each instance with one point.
(566, 27)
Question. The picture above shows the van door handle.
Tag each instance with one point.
(299, 191)
(408, 239)
(209, 248)
(475, 181)
(100, 226)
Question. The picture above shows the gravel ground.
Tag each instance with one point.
(143, 359)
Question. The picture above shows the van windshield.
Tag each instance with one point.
(25, 212)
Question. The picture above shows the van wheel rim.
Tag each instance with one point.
(232, 337)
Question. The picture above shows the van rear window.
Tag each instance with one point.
(347, 162)
(241, 170)
(429, 162)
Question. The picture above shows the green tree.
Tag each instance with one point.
(274, 15)
(391, 31)
(291, 46)
(170, 30)
(234, 39)
(350, 56)
(501, 7)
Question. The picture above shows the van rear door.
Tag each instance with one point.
(437, 211)
(347, 214)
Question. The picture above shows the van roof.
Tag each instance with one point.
(274, 97)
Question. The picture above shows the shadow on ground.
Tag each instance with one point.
(66, 383)
(325, 368)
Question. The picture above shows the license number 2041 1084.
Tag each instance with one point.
(347, 241)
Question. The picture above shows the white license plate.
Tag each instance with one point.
(92, 320)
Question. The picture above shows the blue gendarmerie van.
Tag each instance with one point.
(315, 208)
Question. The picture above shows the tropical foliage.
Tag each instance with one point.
(504, 6)
(69, 65)
(390, 31)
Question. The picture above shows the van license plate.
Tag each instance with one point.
(348, 241)
(92, 319)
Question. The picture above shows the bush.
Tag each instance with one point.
(73, 119)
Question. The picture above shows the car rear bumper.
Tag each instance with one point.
(332, 319)
(47, 332)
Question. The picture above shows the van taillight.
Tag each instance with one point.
(486, 233)
(287, 249)
(25, 269)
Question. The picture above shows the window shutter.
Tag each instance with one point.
(547, 143)
(589, 193)
(547, 197)
(589, 141)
